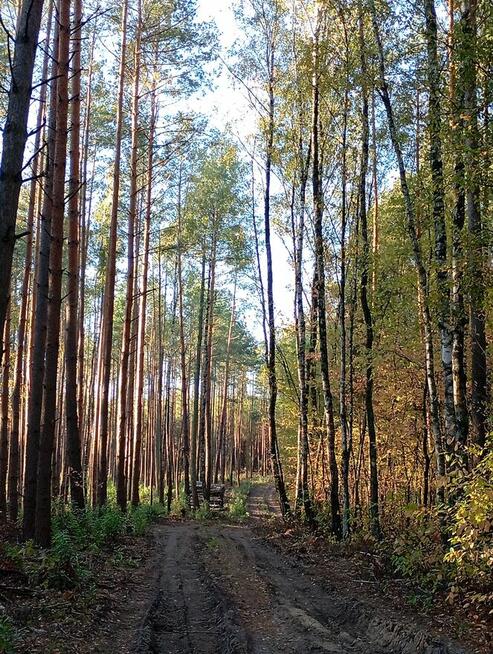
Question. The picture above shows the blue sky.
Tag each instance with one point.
(227, 107)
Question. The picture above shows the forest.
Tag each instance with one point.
(247, 246)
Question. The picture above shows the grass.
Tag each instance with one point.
(238, 502)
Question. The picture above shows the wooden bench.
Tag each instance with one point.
(216, 499)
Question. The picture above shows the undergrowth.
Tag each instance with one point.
(463, 567)
(78, 538)
(238, 501)
(450, 555)
(8, 636)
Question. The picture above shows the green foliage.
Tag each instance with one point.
(203, 512)
(238, 502)
(7, 636)
(471, 534)
(417, 553)
(179, 505)
(142, 516)
(462, 568)
(77, 537)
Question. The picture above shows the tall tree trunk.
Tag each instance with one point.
(141, 329)
(4, 423)
(271, 348)
(22, 325)
(224, 410)
(365, 304)
(196, 387)
(85, 203)
(456, 97)
(443, 286)
(40, 313)
(46, 440)
(476, 257)
(207, 382)
(298, 242)
(345, 442)
(418, 260)
(101, 433)
(159, 425)
(183, 359)
(14, 136)
(318, 208)
(73, 428)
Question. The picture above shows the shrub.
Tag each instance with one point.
(179, 506)
(203, 512)
(238, 501)
(7, 636)
(142, 516)
(76, 536)
(417, 552)
(471, 534)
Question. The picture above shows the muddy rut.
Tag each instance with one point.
(222, 589)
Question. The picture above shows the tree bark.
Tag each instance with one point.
(453, 440)
(365, 304)
(13, 499)
(40, 313)
(4, 423)
(298, 242)
(196, 390)
(185, 425)
(14, 136)
(73, 444)
(343, 417)
(319, 278)
(222, 421)
(271, 348)
(459, 317)
(46, 440)
(417, 258)
(109, 293)
(476, 256)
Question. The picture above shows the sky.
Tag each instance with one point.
(227, 107)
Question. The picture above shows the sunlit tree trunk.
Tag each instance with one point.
(183, 362)
(418, 260)
(14, 136)
(40, 313)
(102, 416)
(298, 242)
(271, 348)
(47, 434)
(318, 207)
(4, 417)
(196, 389)
(365, 304)
(72, 416)
(458, 312)
(224, 409)
(141, 330)
(467, 80)
(443, 286)
(343, 417)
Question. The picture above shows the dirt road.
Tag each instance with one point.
(221, 589)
